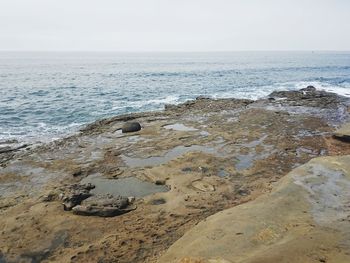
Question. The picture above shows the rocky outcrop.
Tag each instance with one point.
(305, 219)
(309, 97)
(236, 152)
(208, 104)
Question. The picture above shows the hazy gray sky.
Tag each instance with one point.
(174, 25)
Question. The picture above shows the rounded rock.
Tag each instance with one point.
(131, 127)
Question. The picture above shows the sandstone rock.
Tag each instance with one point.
(343, 133)
(308, 209)
(131, 127)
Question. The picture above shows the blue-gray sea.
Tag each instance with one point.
(44, 96)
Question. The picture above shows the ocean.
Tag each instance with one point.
(47, 95)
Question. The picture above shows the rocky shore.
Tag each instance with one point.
(225, 180)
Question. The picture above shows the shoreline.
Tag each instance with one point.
(197, 158)
(53, 135)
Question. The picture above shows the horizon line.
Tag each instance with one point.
(177, 51)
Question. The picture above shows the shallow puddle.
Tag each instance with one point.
(130, 186)
(204, 133)
(223, 173)
(30, 178)
(179, 127)
(244, 161)
(174, 153)
(328, 194)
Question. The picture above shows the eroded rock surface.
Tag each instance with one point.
(211, 155)
(305, 219)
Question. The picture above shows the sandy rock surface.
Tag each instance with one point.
(306, 218)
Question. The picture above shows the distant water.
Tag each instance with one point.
(44, 96)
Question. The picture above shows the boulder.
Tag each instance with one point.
(103, 206)
(131, 127)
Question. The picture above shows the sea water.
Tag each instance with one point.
(44, 96)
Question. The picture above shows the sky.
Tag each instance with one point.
(174, 25)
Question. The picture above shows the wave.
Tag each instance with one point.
(40, 133)
(150, 103)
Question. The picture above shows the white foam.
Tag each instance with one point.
(171, 99)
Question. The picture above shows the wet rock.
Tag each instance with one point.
(202, 97)
(75, 195)
(208, 104)
(169, 107)
(309, 89)
(7, 149)
(309, 97)
(103, 206)
(131, 127)
(12, 141)
(159, 201)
